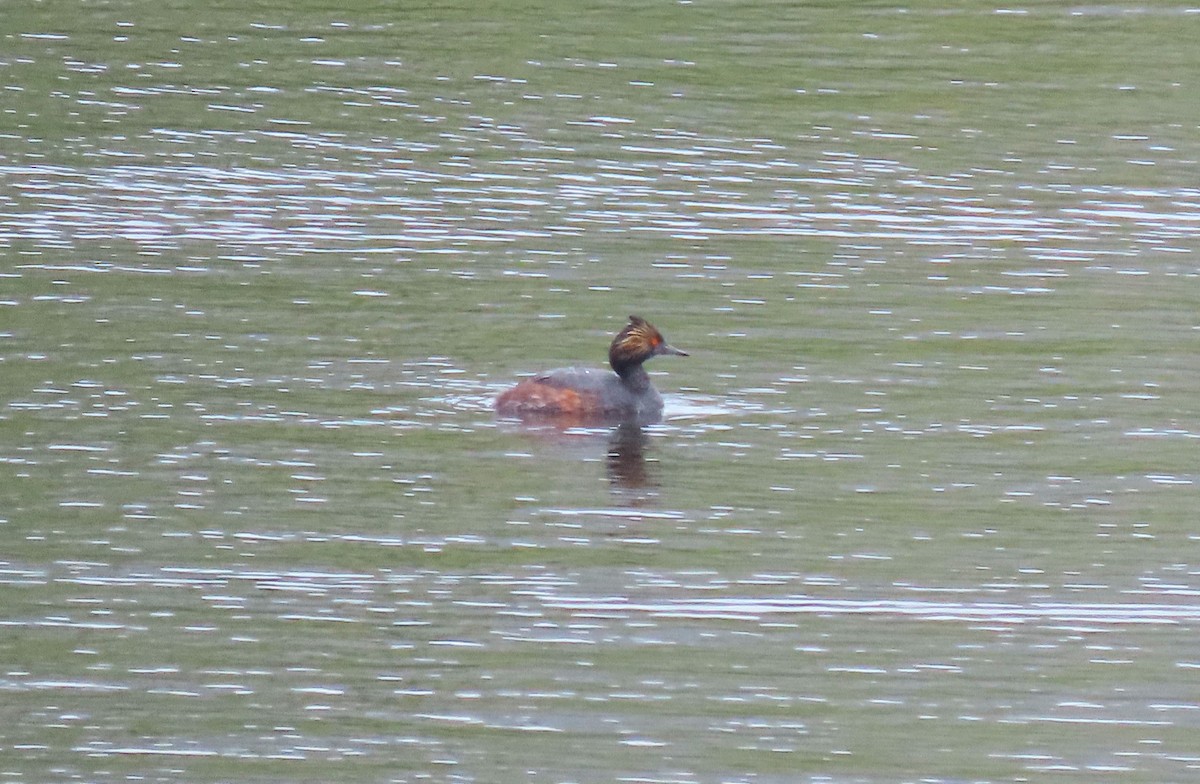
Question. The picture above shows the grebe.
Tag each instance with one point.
(590, 394)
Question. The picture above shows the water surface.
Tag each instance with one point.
(922, 503)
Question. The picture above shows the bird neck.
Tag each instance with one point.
(633, 376)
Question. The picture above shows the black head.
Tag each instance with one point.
(636, 343)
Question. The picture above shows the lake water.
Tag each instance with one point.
(923, 503)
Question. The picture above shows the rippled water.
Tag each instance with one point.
(921, 507)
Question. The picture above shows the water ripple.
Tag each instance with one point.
(989, 612)
(667, 191)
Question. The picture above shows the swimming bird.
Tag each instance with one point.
(593, 394)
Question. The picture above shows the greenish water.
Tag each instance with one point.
(922, 507)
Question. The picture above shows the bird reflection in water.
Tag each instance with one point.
(628, 471)
(632, 476)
